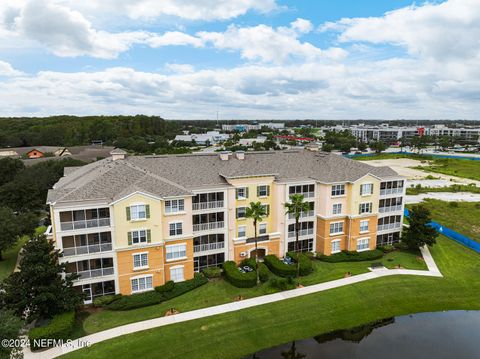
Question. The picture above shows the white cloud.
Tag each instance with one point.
(7, 70)
(172, 38)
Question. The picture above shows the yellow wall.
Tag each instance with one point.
(356, 198)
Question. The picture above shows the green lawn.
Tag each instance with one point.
(454, 167)
(220, 292)
(10, 258)
(453, 188)
(392, 156)
(463, 217)
(236, 334)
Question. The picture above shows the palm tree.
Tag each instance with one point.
(256, 211)
(296, 206)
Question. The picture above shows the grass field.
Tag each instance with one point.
(10, 258)
(453, 167)
(236, 334)
(392, 156)
(453, 188)
(463, 217)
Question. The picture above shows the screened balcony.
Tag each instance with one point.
(84, 218)
(86, 243)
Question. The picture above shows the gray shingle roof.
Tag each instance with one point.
(176, 175)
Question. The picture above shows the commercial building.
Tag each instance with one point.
(211, 137)
(245, 127)
(129, 223)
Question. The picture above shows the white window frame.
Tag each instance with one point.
(245, 213)
(265, 186)
(368, 185)
(262, 228)
(239, 231)
(138, 279)
(174, 206)
(177, 228)
(338, 187)
(174, 268)
(241, 198)
(335, 223)
(336, 211)
(368, 205)
(335, 242)
(137, 232)
(141, 260)
(175, 255)
(367, 239)
(362, 224)
(135, 212)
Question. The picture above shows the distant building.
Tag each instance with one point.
(245, 127)
(294, 138)
(211, 137)
(250, 141)
(466, 134)
(385, 133)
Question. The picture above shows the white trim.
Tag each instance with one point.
(331, 246)
(365, 249)
(140, 277)
(175, 235)
(132, 194)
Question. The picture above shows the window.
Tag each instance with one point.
(142, 284)
(364, 226)
(139, 236)
(140, 260)
(242, 193)
(263, 191)
(241, 231)
(336, 228)
(174, 206)
(306, 189)
(338, 190)
(176, 228)
(138, 211)
(176, 251)
(241, 212)
(335, 246)
(266, 207)
(365, 207)
(362, 244)
(337, 208)
(176, 274)
(262, 228)
(366, 189)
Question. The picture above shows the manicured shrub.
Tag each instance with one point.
(347, 256)
(167, 287)
(186, 286)
(237, 278)
(278, 267)
(212, 272)
(105, 300)
(386, 248)
(282, 283)
(264, 272)
(306, 266)
(60, 327)
(400, 245)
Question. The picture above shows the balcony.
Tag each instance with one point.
(302, 215)
(397, 208)
(385, 227)
(201, 227)
(95, 248)
(301, 233)
(94, 273)
(388, 191)
(87, 223)
(208, 247)
(203, 206)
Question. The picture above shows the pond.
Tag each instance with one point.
(438, 335)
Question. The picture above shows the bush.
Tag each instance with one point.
(278, 267)
(186, 286)
(306, 266)
(212, 272)
(386, 248)
(282, 283)
(400, 245)
(353, 256)
(264, 272)
(167, 287)
(60, 327)
(105, 300)
(237, 278)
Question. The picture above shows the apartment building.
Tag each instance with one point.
(129, 223)
(462, 133)
(384, 133)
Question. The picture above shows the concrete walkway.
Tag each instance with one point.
(432, 271)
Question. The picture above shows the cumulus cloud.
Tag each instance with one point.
(8, 71)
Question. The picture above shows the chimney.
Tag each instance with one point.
(240, 155)
(118, 154)
(224, 155)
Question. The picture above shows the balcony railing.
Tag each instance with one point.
(201, 227)
(384, 227)
(88, 223)
(201, 206)
(94, 273)
(390, 209)
(302, 214)
(208, 247)
(301, 233)
(305, 194)
(387, 191)
(93, 248)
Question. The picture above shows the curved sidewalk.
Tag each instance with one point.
(94, 338)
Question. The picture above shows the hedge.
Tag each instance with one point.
(278, 267)
(306, 266)
(264, 272)
(237, 278)
(161, 293)
(105, 300)
(351, 256)
(60, 327)
(212, 272)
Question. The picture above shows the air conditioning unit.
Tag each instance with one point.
(243, 254)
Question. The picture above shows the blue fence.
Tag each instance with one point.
(455, 157)
(450, 233)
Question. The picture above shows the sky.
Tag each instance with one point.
(242, 59)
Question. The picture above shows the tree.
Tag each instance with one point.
(362, 146)
(12, 226)
(327, 147)
(256, 211)
(296, 206)
(42, 288)
(419, 232)
(9, 168)
(10, 326)
(378, 146)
